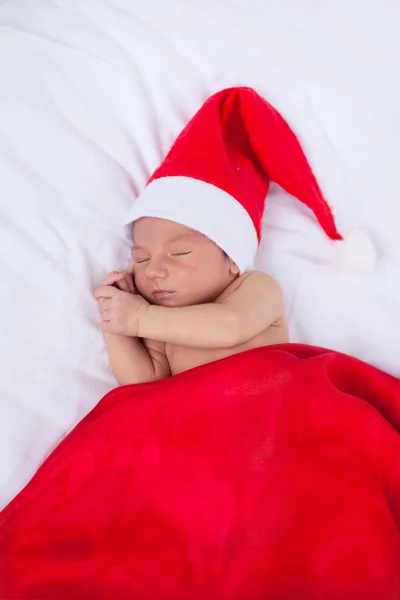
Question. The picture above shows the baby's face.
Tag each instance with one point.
(176, 266)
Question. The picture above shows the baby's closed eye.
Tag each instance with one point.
(138, 261)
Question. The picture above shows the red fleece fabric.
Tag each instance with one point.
(274, 473)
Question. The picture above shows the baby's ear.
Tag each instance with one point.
(233, 268)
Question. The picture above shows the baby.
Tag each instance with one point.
(182, 303)
(190, 296)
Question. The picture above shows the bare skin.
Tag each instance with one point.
(182, 303)
(182, 358)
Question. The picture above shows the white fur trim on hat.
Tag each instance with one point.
(205, 208)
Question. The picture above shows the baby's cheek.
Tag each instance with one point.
(141, 283)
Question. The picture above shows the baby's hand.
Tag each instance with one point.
(121, 311)
(122, 281)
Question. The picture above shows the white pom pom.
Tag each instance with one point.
(355, 254)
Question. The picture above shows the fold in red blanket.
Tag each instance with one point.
(273, 474)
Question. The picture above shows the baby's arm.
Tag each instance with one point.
(250, 309)
(134, 362)
(131, 360)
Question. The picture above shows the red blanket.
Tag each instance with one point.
(273, 474)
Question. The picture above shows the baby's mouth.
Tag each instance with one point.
(161, 294)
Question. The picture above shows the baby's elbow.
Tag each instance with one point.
(135, 380)
(143, 377)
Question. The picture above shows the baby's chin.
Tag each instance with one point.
(171, 301)
(177, 299)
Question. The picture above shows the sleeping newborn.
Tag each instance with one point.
(182, 303)
(190, 296)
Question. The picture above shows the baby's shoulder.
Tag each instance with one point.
(253, 283)
(257, 277)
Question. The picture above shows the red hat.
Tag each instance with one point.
(215, 179)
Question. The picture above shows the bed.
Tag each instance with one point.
(93, 93)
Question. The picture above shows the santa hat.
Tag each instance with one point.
(215, 179)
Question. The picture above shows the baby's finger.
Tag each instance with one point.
(122, 285)
(112, 278)
(130, 269)
(129, 281)
(106, 327)
(104, 303)
(104, 308)
(105, 291)
(132, 277)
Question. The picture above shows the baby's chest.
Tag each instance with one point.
(182, 358)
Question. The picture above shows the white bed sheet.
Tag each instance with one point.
(93, 92)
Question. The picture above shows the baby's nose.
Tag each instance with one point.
(155, 270)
